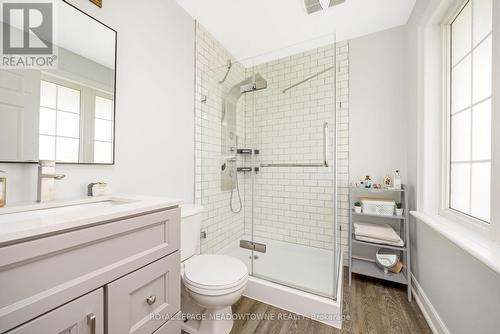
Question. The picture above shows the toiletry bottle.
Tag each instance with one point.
(368, 181)
(397, 180)
(3, 188)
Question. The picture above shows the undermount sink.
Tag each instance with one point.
(62, 207)
(33, 220)
(26, 216)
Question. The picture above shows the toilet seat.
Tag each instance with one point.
(214, 274)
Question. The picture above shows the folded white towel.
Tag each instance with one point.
(399, 243)
(376, 231)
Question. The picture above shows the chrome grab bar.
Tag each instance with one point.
(325, 144)
(316, 164)
(319, 164)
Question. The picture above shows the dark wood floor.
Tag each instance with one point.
(370, 306)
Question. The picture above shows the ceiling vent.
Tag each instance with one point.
(313, 6)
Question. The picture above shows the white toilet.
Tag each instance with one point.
(211, 283)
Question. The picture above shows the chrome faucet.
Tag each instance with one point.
(46, 180)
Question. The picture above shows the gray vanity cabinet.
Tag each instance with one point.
(126, 268)
(84, 315)
(145, 299)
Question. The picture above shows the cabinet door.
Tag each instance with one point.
(39, 275)
(84, 315)
(171, 327)
(144, 300)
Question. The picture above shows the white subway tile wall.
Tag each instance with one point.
(290, 204)
(222, 225)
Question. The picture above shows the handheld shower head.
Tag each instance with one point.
(229, 65)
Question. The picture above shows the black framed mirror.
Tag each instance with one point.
(65, 112)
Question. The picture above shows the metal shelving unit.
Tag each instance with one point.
(368, 267)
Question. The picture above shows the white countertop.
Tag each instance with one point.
(29, 221)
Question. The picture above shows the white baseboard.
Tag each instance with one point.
(433, 319)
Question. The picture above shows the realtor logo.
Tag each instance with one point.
(28, 34)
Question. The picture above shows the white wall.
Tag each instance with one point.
(379, 114)
(463, 293)
(379, 108)
(154, 108)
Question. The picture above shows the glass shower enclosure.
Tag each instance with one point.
(267, 160)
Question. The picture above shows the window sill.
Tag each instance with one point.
(480, 247)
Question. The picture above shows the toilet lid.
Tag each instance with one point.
(215, 271)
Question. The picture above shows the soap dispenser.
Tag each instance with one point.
(397, 180)
(3, 188)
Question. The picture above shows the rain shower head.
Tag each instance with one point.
(257, 84)
(251, 84)
(313, 6)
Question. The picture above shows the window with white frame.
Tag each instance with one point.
(59, 123)
(470, 110)
(103, 134)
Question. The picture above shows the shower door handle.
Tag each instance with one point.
(325, 144)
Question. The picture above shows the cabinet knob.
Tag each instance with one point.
(91, 321)
(151, 300)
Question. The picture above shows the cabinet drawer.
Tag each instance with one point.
(84, 315)
(171, 327)
(145, 299)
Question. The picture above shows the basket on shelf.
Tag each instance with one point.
(377, 206)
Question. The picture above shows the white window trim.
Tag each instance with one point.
(87, 114)
(495, 133)
(70, 85)
(108, 97)
(488, 229)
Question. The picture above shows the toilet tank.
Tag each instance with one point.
(191, 216)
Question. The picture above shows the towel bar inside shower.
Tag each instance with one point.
(324, 163)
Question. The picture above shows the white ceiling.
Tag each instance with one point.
(272, 29)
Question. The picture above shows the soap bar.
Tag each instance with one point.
(99, 189)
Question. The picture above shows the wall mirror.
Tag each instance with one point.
(66, 113)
